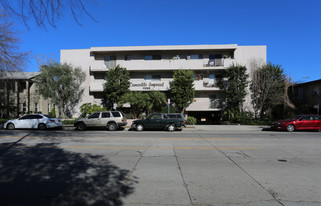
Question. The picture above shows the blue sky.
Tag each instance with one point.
(291, 29)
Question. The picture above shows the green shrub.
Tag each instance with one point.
(89, 108)
(130, 116)
(68, 121)
(171, 109)
(53, 113)
(247, 118)
(2, 121)
(191, 120)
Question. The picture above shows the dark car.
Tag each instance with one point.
(159, 121)
(300, 122)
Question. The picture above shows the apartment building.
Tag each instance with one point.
(151, 68)
(19, 95)
(307, 97)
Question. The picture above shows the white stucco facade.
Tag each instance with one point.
(151, 68)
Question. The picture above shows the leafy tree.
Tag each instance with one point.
(154, 100)
(236, 90)
(89, 108)
(182, 90)
(268, 86)
(44, 11)
(61, 83)
(116, 86)
(137, 100)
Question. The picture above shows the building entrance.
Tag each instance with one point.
(206, 117)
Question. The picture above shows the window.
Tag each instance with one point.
(36, 89)
(148, 57)
(305, 118)
(317, 118)
(105, 115)
(150, 77)
(116, 114)
(153, 57)
(211, 79)
(36, 117)
(127, 58)
(26, 117)
(95, 115)
(155, 116)
(24, 107)
(198, 76)
(110, 61)
(22, 86)
(195, 56)
(173, 116)
(36, 107)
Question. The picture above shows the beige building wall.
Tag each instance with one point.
(92, 62)
(27, 100)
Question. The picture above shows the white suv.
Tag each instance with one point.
(110, 119)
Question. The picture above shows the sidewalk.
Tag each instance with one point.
(206, 127)
(231, 127)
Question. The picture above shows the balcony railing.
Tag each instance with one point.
(215, 63)
(163, 64)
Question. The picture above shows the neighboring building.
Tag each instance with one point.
(19, 95)
(151, 68)
(307, 97)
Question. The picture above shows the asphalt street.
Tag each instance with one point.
(197, 166)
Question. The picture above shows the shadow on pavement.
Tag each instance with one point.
(47, 175)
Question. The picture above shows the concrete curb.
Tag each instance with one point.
(206, 127)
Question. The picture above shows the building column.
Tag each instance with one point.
(28, 96)
(18, 99)
(7, 96)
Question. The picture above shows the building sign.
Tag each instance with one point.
(148, 85)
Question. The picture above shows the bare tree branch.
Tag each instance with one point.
(10, 58)
(44, 11)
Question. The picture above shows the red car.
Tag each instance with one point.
(300, 122)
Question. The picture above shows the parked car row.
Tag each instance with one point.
(113, 120)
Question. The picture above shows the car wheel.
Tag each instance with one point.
(139, 127)
(10, 126)
(41, 126)
(81, 126)
(112, 127)
(290, 128)
(171, 128)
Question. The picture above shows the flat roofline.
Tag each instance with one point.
(164, 48)
(18, 75)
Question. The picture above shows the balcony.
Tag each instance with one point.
(206, 104)
(222, 62)
(96, 86)
(204, 85)
(163, 64)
